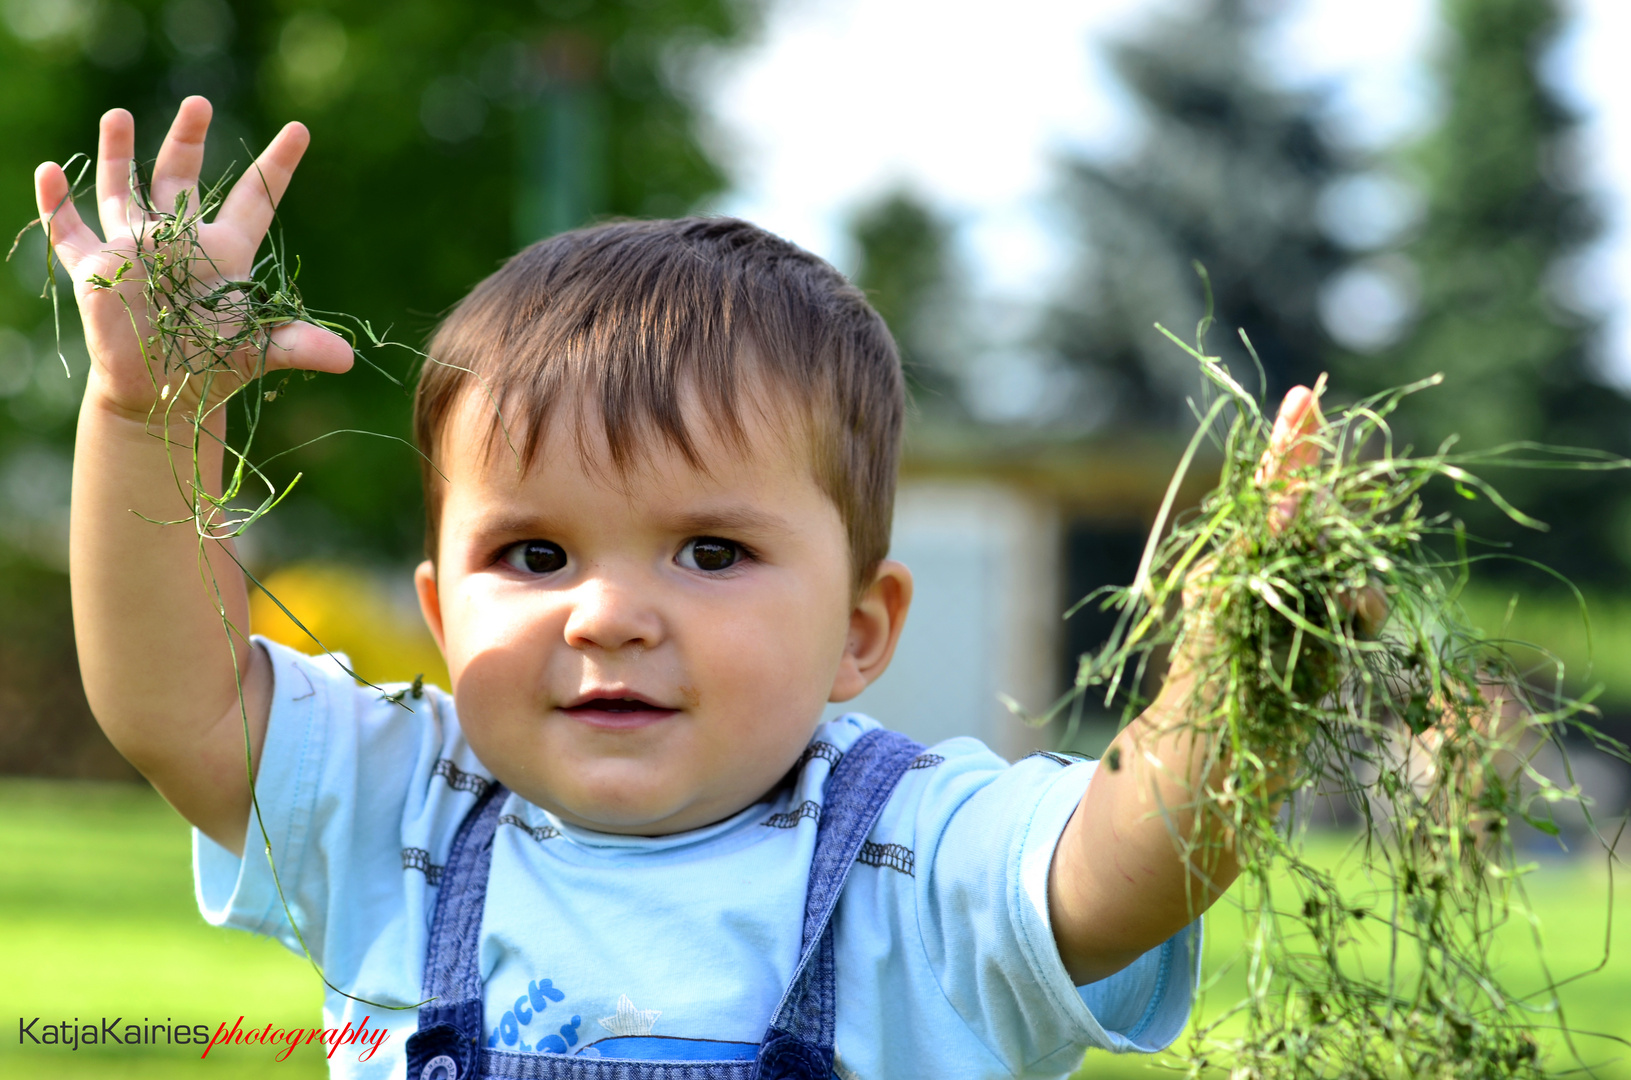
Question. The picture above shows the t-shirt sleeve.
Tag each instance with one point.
(983, 914)
(350, 816)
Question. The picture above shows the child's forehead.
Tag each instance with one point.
(767, 430)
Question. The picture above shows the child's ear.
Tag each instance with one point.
(430, 601)
(874, 628)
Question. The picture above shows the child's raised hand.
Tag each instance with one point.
(1293, 450)
(125, 375)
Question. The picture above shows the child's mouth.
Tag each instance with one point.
(617, 713)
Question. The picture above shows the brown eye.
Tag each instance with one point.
(536, 556)
(709, 553)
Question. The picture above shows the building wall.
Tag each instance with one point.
(985, 617)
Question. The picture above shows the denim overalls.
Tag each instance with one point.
(799, 1043)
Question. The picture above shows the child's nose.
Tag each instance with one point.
(607, 614)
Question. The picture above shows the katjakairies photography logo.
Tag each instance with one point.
(75, 1033)
(72, 1034)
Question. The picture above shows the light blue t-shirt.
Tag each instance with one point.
(946, 961)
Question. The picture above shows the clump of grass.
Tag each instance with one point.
(1426, 727)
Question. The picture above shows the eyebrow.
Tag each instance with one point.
(504, 524)
(731, 519)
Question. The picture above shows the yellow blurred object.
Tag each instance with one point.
(349, 611)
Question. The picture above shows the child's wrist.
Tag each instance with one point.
(150, 419)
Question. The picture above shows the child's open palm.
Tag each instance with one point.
(126, 375)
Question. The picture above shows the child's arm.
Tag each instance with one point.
(160, 673)
(1118, 886)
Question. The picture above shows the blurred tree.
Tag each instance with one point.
(1500, 309)
(443, 136)
(1228, 171)
(46, 727)
(906, 268)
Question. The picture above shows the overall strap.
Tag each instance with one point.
(446, 1045)
(799, 1044)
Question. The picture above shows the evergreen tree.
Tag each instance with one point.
(906, 268)
(1494, 315)
(1228, 173)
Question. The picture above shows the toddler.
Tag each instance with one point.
(660, 464)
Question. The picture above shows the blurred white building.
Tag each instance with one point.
(1002, 534)
(984, 618)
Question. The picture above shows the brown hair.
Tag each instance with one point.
(619, 318)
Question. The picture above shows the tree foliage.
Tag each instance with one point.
(1228, 172)
(1497, 312)
(907, 270)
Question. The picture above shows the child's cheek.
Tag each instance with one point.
(495, 675)
(489, 624)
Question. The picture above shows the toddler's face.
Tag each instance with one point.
(647, 652)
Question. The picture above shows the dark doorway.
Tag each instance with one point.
(1097, 553)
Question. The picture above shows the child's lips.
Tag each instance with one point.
(618, 713)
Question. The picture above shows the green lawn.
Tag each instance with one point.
(96, 903)
(1569, 900)
(98, 919)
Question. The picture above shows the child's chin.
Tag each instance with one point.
(642, 806)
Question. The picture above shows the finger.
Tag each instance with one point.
(182, 155)
(308, 347)
(1372, 610)
(254, 198)
(1369, 608)
(66, 231)
(1292, 446)
(116, 146)
(1289, 425)
(1303, 448)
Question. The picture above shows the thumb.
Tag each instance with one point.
(308, 347)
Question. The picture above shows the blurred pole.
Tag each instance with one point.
(562, 141)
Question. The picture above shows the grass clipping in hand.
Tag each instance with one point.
(1425, 726)
(214, 331)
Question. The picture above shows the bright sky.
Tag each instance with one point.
(843, 98)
